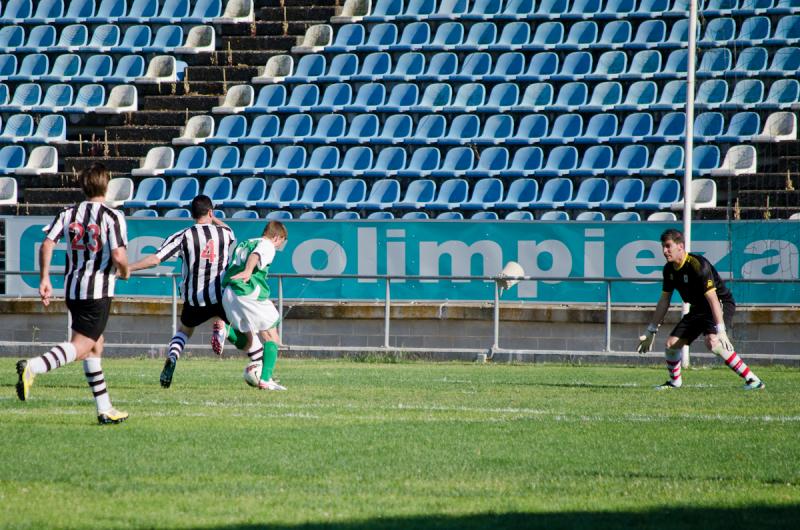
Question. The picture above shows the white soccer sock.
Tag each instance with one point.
(256, 351)
(58, 356)
(93, 369)
(673, 360)
(176, 345)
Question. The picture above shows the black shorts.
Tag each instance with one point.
(693, 324)
(89, 317)
(193, 316)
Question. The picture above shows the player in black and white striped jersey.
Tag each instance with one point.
(96, 238)
(205, 249)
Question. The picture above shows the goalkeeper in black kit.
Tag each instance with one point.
(711, 309)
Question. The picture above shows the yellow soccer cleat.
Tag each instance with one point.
(112, 416)
(25, 382)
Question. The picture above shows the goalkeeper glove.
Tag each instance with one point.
(646, 340)
(722, 336)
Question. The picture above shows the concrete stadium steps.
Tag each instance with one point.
(769, 198)
(235, 56)
(162, 117)
(185, 88)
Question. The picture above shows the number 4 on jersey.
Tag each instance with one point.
(209, 252)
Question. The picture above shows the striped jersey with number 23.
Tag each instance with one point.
(92, 230)
(205, 252)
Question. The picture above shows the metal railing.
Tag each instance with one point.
(387, 299)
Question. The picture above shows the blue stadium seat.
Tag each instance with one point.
(289, 160)
(667, 160)
(581, 35)
(541, 67)
(591, 193)
(79, 10)
(787, 31)
(380, 216)
(316, 193)
(278, 215)
(627, 193)
(249, 191)
(17, 11)
(610, 65)
(40, 38)
(591, 217)
(223, 160)
(605, 96)
(583, 9)
(711, 94)
(4, 99)
(502, 98)
(346, 216)
(481, 36)
(508, 67)
(430, 128)
(649, 34)
(566, 127)
(447, 36)
(47, 11)
(363, 128)
(678, 35)
(204, 11)
(388, 163)
(380, 38)
(263, 129)
(627, 216)
(129, 68)
(369, 98)
(751, 62)
(655, 8)
(304, 98)
(571, 97)
(109, 11)
(449, 9)
(374, 67)
(322, 160)
(560, 161)
(329, 128)
(493, 162)
(347, 38)
(785, 62)
(496, 129)
(26, 97)
(576, 65)
(451, 194)
(218, 189)
(295, 129)
(72, 38)
(409, 66)
(229, 130)
(441, 67)
(415, 36)
(552, 8)
(482, 9)
(416, 216)
(450, 216)
(517, 9)
(396, 129)
(469, 97)
(630, 160)
(707, 126)
(601, 128)
(281, 193)
(456, 163)
(149, 191)
(335, 98)
(135, 39)
(342, 68)
(271, 98)
(521, 192)
(705, 159)
(463, 129)
(141, 11)
(783, 94)
(474, 67)
(96, 69)
(105, 38)
(383, 194)
(485, 194)
(635, 128)
(423, 161)
(786, 7)
(355, 162)
(616, 34)
(435, 97)
(596, 160)
(718, 32)
(313, 215)
(181, 193)
(531, 129)
(349, 193)
(484, 216)
(166, 39)
(519, 215)
(536, 98)
(52, 128)
(514, 36)
(662, 194)
(17, 128)
(714, 62)
(403, 97)
(639, 96)
(172, 11)
(644, 65)
(190, 160)
(12, 157)
(671, 128)
(555, 193)
(255, 161)
(747, 94)
(526, 161)
(145, 213)
(90, 98)
(32, 68)
(419, 193)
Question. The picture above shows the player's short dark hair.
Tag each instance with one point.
(201, 205)
(275, 228)
(672, 234)
(94, 180)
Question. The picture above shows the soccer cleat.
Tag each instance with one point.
(669, 385)
(112, 416)
(166, 373)
(270, 385)
(754, 384)
(218, 337)
(25, 382)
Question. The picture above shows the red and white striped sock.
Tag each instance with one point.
(736, 364)
(93, 369)
(58, 356)
(673, 360)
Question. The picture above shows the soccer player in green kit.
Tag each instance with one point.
(246, 299)
(711, 309)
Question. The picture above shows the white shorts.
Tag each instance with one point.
(249, 314)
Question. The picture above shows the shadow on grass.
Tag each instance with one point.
(760, 517)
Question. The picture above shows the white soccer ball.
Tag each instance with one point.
(252, 373)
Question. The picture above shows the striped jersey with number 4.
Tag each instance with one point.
(91, 230)
(205, 252)
(256, 287)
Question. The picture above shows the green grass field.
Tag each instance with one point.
(402, 446)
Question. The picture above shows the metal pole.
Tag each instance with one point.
(386, 311)
(280, 306)
(174, 306)
(689, 146)
(495, 344)
(608, 316)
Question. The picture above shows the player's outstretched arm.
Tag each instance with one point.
(646, 340)
(120, 258)
(45, 257)
(716, 312)
(145, 263)
(249, 267)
